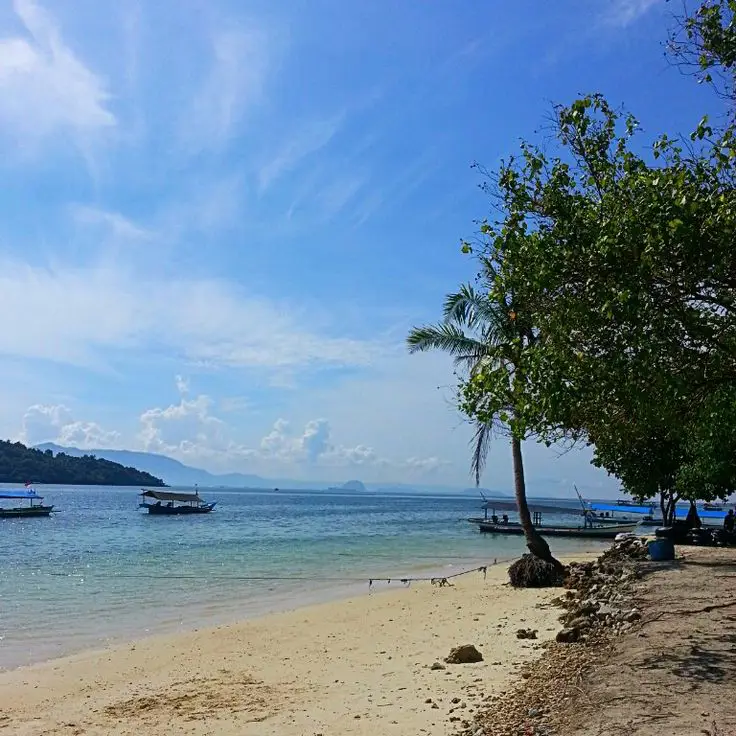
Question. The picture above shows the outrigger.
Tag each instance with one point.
(190, 503)
(35, 506)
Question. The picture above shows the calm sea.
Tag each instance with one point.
(101, 571)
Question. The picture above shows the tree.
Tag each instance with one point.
(628, 272)
(703, 43)
(485, 336)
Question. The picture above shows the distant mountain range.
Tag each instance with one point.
(175, 473)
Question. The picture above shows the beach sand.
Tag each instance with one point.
(360, 666)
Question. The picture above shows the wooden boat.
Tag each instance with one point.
(35, 506)
(588, 531)
(173, 503)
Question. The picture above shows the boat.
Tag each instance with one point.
(174, 503)
(588, 531)
(34, 508)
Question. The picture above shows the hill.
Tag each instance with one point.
(172, 471)
(19, 464)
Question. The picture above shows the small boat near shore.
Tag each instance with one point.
(174, 503)
(588, 531)
(34, 508)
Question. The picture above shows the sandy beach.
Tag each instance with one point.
(360, 666)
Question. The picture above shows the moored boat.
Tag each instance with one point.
(174, 503)
(34, 508)
(588, 531)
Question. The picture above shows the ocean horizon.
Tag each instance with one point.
(101, 572)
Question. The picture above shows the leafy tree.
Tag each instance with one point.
(703, 43)
(484, 336)
(626, 268)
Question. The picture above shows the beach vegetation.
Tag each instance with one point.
(613, 256)
(482, 331)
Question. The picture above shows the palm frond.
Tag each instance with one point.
(449, 339)
(481, 442)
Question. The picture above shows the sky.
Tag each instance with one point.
(220, 218)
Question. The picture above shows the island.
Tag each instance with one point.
(21, 464)
(351, 485)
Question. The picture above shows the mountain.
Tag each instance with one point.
(172, 471)
(176, 473)
(19, 464)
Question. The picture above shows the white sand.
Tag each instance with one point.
(360, 666)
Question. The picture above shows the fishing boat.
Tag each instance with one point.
(34, 508)
(587, 531)
(174, 503)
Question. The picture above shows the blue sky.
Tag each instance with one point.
(220, 219)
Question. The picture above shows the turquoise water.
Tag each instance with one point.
(101, 571)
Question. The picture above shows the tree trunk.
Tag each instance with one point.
(536, 544)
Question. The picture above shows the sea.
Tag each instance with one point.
(102, 572)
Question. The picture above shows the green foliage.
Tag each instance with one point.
(627, 275)
(481, 336)
(19, 464)
(704, 43)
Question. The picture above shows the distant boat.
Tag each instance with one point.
(170, 503)
(35, 506)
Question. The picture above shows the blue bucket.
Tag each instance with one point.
(661, 550)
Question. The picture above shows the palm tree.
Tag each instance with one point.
(482, 333)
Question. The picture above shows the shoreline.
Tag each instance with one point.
(276, 601)
(353, 666)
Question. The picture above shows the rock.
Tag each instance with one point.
(632, 616)
(455, 701)
(526, 634)
(534, 713)
(581, 622)
(435, 706)
(438, 666)
(568, 635)
(464, 654)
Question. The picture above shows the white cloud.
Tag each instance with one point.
(183, 428)
(55, 423)
(624, 12)
(82, 316)
(190, 431)
(182, 384)
(234, 83)
(45, 88)
(312, 137)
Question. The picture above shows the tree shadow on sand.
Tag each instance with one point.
(699, 662)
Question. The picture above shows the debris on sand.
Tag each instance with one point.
(464, 654)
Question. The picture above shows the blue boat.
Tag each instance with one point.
(34, 508)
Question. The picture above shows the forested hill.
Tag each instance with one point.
(19, 464)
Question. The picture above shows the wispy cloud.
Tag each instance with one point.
(115, 225)
(235, 82)
(45, 88)
(310, 138)
(622, 13)
(92, 316)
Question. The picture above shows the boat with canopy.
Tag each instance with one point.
(173, 503)
(34, 508)
(491, 524)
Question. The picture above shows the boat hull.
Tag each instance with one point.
(609, 531)
(26, 512)
(177, 510)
